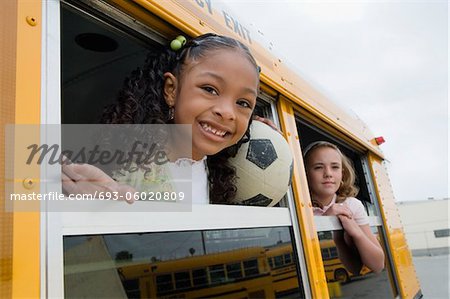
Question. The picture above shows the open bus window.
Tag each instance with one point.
(309, 134)
(183, 264)
(341, 281)
(92, 75)
(148, 265)
(93, 72)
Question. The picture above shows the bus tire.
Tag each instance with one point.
(341, 275)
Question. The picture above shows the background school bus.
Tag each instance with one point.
(48, 78)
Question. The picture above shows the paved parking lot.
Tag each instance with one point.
(434, 276)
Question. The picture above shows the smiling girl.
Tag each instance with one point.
(331, 180)
(211, 83)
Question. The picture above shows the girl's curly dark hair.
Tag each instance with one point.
(141, 101)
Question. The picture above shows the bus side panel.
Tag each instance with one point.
(403, 263)
(8, 15)
(303, 205)
(20, 92)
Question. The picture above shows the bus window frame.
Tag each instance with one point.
(98, 9)
(382, 230)
(271, 102)
(329, 223)
(56, 225)
(332, 223)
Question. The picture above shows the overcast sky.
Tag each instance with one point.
(385, 61)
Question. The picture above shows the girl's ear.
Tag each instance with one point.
(170, 88)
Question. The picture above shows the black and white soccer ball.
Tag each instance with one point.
(263, 167)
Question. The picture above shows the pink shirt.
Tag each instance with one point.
(355, 206)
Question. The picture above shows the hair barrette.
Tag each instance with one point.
(178, 43)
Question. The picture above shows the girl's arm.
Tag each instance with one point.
(360, 238)
(347, 252)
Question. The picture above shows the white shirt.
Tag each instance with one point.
(195, 170)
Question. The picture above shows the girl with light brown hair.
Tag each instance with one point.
(331, 180)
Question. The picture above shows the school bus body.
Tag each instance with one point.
(256, 272)
(334, 269)
(21, 241)
(254, 281)
(282, 263)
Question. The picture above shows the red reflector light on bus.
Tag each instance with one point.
(380, 140)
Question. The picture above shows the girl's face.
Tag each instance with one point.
(324, 171)
(216, 94)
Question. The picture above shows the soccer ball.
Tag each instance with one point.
(263, 167)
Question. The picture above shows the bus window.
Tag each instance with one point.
(201, 261)
(325, 253)
(270, 261)
(199, 277)
(309, 133)
(287, 259)
(265, 107)
(132, 288)
(163, 283)
(251, 268)
(217, 274)
(166, 264)
(182, 280)
(234, 271)
(278, 261)
(340, 280)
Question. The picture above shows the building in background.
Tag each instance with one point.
(426, 225)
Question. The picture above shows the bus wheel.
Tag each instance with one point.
(341, 275)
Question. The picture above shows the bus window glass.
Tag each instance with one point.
(163, 283)
(325, 253)
(342, 282)
(132, 288)
(270, 261)
(199, 277)
(217, 274)
(251, 268)
(234, 271)
(278, 260)
(182, 264)
(263, 109)
(287, 259)
(333, 252)
(182, 280)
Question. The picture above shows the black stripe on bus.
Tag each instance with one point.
(211, 286)
(285, 278)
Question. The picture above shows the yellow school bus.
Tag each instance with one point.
(282, 263)
(62, 61)
(241, 273)
(334, 268)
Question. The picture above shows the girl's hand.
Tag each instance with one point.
(88, 179)
(350, 226)
(339, 209)
(267, 122)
